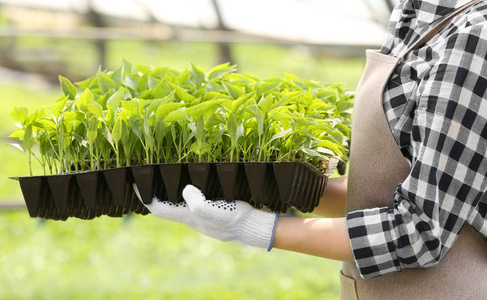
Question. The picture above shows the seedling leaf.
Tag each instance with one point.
(113, 103)
(84, 99)
(197, 75)
(177, 115)
(20, 114)
(105, 83)
(220, 70)
(67, 87)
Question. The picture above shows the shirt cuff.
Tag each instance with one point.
(370, 233)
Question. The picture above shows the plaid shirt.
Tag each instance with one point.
(436, 106)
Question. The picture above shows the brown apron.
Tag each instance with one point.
(376, 168)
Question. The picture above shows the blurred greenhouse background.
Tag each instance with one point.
(140, 256)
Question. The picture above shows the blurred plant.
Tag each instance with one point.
(138, 114)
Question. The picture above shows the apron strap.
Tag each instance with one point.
(433, 31)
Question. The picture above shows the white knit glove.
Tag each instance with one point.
(226, 221)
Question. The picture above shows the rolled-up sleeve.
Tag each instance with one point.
(448, 146)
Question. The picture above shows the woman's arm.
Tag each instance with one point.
(238, 220)
(323, 237)
(332, 203)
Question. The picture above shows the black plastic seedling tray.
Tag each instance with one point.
(276, 185)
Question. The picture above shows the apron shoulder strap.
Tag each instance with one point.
(434, 30)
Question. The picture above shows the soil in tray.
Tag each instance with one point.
(277, 186)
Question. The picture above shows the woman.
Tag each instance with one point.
(415, 222)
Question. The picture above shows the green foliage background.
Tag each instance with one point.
(142, 256)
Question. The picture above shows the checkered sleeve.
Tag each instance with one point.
(448, 146)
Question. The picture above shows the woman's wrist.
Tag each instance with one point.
(323, 237)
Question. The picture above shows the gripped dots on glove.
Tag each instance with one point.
(227, 221)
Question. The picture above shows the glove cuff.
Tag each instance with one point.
(258, 229)
(273, 232)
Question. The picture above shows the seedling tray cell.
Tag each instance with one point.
(175, 177)
(275, 185)
(144, 178)
(227, 175)
(116, 179)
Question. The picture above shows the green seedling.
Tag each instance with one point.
(139, 114)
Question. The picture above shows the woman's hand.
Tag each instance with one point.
(226, 221)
